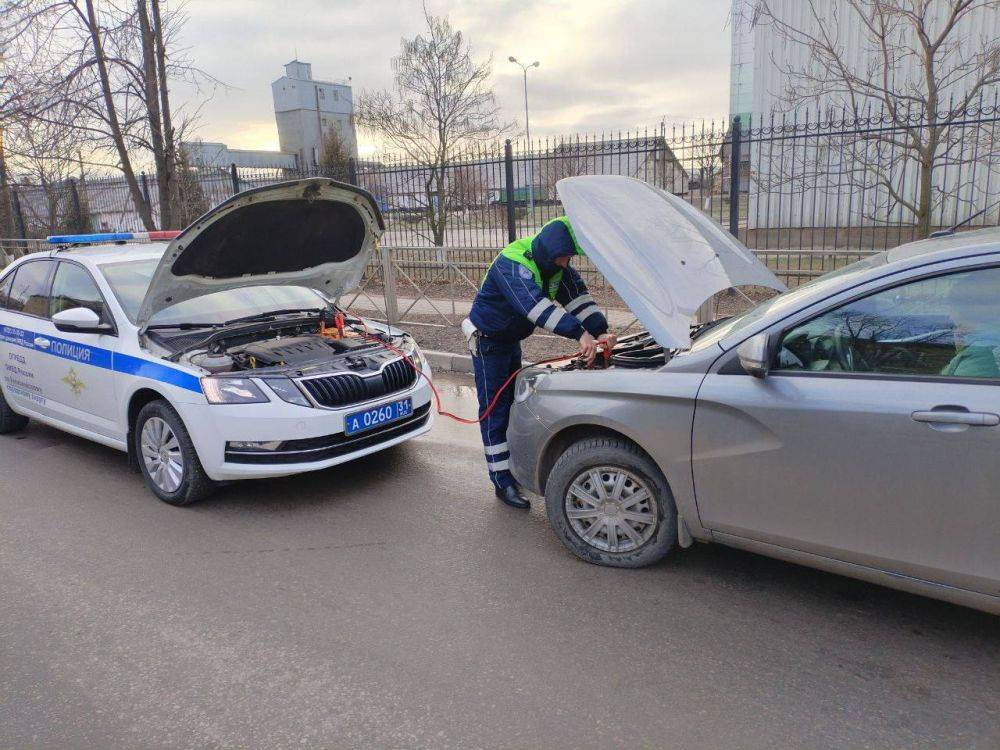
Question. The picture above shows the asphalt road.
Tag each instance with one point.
(393, 602)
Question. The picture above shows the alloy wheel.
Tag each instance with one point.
(161, 454)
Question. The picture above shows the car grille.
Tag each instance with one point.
(305, 450)
(345, 389)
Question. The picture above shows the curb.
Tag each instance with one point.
(448, 362)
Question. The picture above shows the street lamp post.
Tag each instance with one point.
(527, 135)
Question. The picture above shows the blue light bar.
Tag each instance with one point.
(78, 239)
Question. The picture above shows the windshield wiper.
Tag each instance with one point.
(182, 326)
(265, 316)
(699, 329)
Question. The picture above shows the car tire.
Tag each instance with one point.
(175, 474)
(10, 420)
(623, 467)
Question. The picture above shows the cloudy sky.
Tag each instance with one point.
(605, 64)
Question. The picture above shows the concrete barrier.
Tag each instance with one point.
(448, 362)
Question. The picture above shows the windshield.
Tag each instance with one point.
(130, 280)
(783, 301)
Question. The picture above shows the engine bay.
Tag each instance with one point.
(633, 352)
(296, 347)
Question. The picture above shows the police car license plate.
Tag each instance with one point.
(377, 416)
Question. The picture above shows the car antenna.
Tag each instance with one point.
(963, 222)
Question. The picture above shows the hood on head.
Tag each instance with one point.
(551, 243)
(662, 255)
(316, 233)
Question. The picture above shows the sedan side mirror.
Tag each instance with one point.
(754, 354)
(80, 320)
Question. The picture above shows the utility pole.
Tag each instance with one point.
(527, 135)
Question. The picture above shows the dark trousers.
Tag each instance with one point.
(494, 363)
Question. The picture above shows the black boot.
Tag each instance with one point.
(512, 496)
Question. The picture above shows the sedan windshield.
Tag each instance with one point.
(130, 280)
(784, 301)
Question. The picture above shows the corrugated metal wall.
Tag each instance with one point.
(841, 180)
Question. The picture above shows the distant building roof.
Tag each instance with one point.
(207, 154)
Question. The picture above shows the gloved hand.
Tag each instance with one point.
(609, 340)
(588, 347)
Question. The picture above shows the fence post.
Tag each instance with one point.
(235, 177)
(508, 166)
(735, 156)
(15, 202)
(352, 170)
(74, 196)
(389, 286)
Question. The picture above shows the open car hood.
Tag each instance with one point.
(662, 255)
(316, 233)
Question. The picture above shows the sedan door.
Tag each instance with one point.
(78, 379)
(25, 307)
(874, 438)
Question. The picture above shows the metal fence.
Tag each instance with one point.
(812, 182)
(806, 192)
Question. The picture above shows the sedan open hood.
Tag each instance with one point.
(316, 233)
(662, 255)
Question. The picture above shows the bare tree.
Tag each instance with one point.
(45, 155)
(924, 63)
(440, 104)
(336, 158)
(113, 64)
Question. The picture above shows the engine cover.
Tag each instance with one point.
(296, 351)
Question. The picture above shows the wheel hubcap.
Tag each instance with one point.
(161, 454)
(611, 509)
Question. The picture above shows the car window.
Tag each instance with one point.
(941, 326)
(130, 280)
(5, 290)
(29, 292)
(73, 286)
(219, 307)
(786, 300)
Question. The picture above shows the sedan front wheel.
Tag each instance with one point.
(609, 503)
(167, 458)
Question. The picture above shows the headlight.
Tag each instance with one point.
(232, 391)
(527, 383)
(286, 390)
(408, 345)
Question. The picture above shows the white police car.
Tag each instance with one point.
(217, 356)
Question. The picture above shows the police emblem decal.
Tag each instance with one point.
(524, 271)
(73, 381)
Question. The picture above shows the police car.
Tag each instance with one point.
(218, 355)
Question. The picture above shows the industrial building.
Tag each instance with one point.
(306, 110)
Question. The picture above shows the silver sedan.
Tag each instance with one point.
(851, 424)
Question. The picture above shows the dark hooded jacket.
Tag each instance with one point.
(510, 304)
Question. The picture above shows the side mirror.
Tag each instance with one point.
(754, 354)
(80, 320)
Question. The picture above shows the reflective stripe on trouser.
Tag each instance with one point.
(492, 366)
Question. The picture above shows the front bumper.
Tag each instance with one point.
(527, 436)
(311, 438)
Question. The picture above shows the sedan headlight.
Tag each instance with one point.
(527, 382)
(232, 391)
(286, 390)
(410, 349)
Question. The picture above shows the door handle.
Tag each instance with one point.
(41, 342)
(956, 416)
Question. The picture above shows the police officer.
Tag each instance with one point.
(518, 293)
